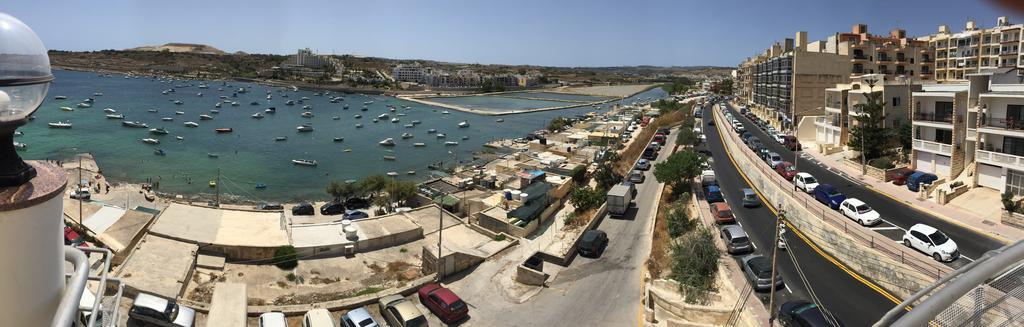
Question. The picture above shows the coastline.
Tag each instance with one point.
(423, 99)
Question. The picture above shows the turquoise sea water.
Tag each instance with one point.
(250, 155)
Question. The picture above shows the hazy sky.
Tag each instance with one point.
(551, 32)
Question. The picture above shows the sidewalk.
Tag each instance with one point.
(981, 224)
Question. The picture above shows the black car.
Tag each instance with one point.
(357, 203)
(803, 313)
(332, 208)
(271, 206)
(303, 209)
(593, 243)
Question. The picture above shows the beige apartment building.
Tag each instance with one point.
(787, 81)
(974, 49)
(832, 130)
(891, 55)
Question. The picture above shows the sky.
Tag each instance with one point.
(567, 33)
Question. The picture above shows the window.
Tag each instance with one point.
(943, 109)
(1015, 112)
(896, 101)
(946, 136)
(919, 236)
(1013, 145)
(1015, 182)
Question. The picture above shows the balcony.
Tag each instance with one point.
(859, 57)
(933, 147)
(885, 71)
(927, 60)
(857, 70)
(932, 117)
(901, 59)
(883, 59)
(1003, 123)
(998, 158)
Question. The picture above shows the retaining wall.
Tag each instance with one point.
(900, 270)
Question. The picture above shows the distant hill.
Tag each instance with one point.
(181, 47)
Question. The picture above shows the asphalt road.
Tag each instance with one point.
(849, 300)
(895, 213)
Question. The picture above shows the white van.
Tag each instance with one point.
(317, 318)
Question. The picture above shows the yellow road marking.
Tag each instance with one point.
(790, 226)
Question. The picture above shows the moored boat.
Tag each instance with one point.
(134, 124)
(223, 130)
(304, 162)
(60, 124)
(158, 130)
(115, 116)
(150, 141)
(387, 142)
(191, 124)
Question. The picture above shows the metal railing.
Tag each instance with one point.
(863, 235)
(928, 116)
(999, 158)
(68, 309)
(1004, 123)
(932, 146)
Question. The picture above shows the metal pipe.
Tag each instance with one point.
(956, 284)
(65, 314)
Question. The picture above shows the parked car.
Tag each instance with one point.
(899, 176)
(745, 136)
(272, 319)
(758, 270)
(151, 309)
(443, 303)
(738, 127)
(400, 312)
(643, 164)
(916, 179)
(773, 159)
(750, 199)
(81, 194)
(358, 317)
(736, 239)
(713, 194)
(829, 195)
(355, 214)
(649, 154)
(932, 242)
(317, 318)
(637, 177)
(332, 208)
(860, 212)
(791, 143)
(72, 238)
(722, 213)
(357, 203)
(271, 206)
(805, 182)
(592, 243)
(303, 209)
(754, 142)
(801, 313)
(786, 170)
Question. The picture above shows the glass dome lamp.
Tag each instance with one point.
(24, 80)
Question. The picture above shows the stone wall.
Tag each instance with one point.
(1012, 219)
(892, 266)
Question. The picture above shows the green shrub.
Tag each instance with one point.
(679, 222)
(499, 237)
(586, 198)
(881, 163)
(1008, 203)
(286, 258)
(291, 277)
(695, 265)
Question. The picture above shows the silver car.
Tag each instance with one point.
(637, 177)
(758, 270)
(736, 240)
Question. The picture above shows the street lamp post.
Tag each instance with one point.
(863, 157)
(24, 80)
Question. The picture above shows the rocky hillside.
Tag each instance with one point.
(181, 47)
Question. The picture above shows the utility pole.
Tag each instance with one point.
(775, 251)
(216, 200)
(79, 190)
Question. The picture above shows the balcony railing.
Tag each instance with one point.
(927, 60)
(858, 71)
(935, 147)
(860, 57)
(1003, 123)
(884, 71)
(881, 58)
(922, 116)
(1000, 159)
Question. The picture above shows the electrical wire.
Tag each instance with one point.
(814, 296)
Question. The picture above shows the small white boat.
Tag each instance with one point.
(205, 117)
(200, 94)
(390, 158)
(409, 125)
(97, 94)
(115, 116)
(84, 105)
(257, 116)
(304, 128)
(307, 114)
(432, 131)
(400, 114)
(387, 142)
(191, 124)
(134, 124)
(500, 120)
(179, 138)
(451, 143)
(19, 145)
(465, 137)
(440, 135)
(304, 162)
(335, 118)
(280, 138)
(60, 97)
(234, 104)
(178, 102)
(179, 112)
(416, 122)
(357, 116)
(383, 116)
(151, 110)
(445, 112)
(394, 120)
(158, 130)
(339, 139)
(375, 120)
(217, 105)
(419, 144)
(359, 125)
(167, 119)
(67, 109)
(368, 102)
(109, 110)
(463, 124)
(411, 172)
(270, 110)
(307, 107)
(150, 141)
(406, 136)
(60, 124)
(392, 173)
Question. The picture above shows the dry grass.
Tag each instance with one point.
(659, 262)
(635, 149)
(579, 219)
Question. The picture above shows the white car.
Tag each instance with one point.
(805, 182)
(696, 129)
(273, 319)
(643, 164)
(860, 212)
(703, 138)
(159, 311)
(931, 241)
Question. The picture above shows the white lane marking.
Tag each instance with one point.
(886, 228)
(894, 225)
(787, 288)
(965, 257)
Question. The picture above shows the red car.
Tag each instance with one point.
(786, 169)
(443, 303)
(899, 176)
(73, 239)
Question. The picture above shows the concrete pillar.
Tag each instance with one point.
(32, 250)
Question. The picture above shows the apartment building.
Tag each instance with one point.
(939, 129)
(892, 55)
(414, 72)
(975, 48)
(832, 130)
(787, 81)
(1000, 130)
